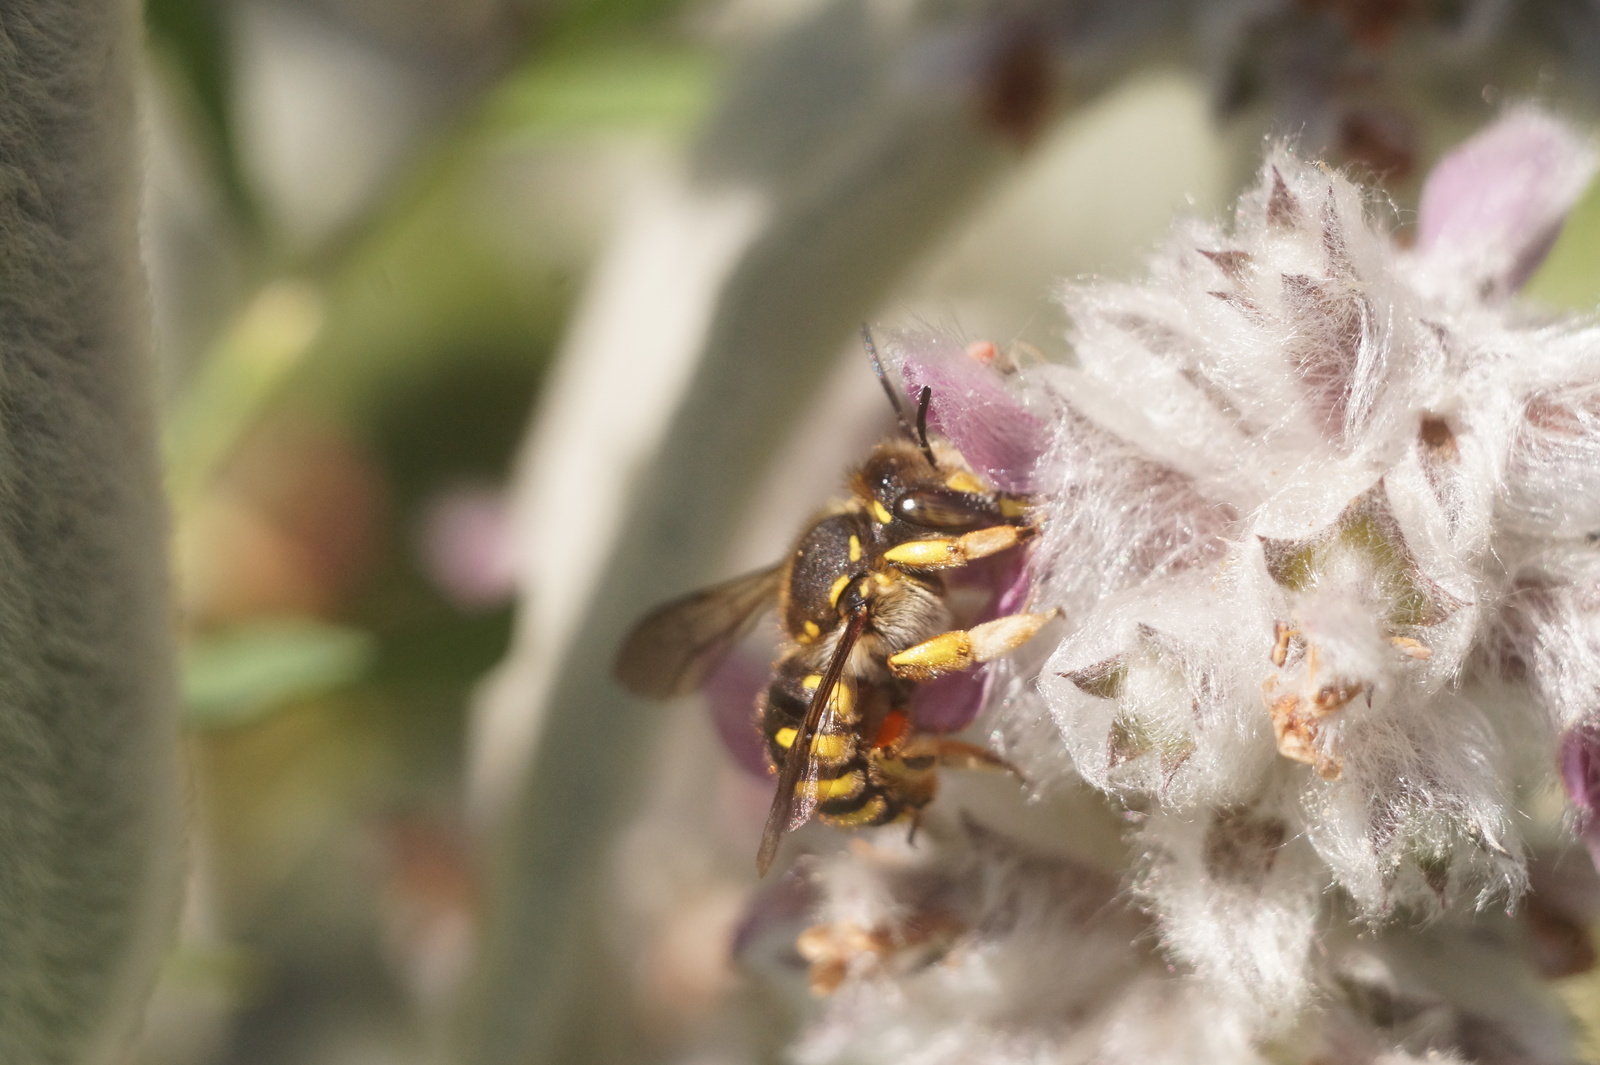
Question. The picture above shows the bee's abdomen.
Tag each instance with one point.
(783, 709)
(873, 806)
(859, 781)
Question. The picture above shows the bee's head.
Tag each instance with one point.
(901, 486)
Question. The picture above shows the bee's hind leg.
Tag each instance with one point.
(916, 823)
(954, 754)
(951, 652)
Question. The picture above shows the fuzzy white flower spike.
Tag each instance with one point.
(1299, 507)
(1318, 512)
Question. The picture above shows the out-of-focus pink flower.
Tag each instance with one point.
(1492, 209)
(465, 547)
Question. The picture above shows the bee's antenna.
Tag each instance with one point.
(922, 425)
(917, 432)
(883, 379)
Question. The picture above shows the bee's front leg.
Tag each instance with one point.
(947, 552)
(951, 652)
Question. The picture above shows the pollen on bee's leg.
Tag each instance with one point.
(946, 551)
(958, 650)
(945, 653)
(997, 638)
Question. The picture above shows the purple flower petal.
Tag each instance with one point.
(972, 407)
(1016, 589)
(950, 703)
(731, 693)
(1580, 772)
(1492, 209)
(772, 916)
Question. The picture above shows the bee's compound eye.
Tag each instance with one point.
(882, 475)
(942, 508)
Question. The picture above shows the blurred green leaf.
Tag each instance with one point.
(594, 20)
(240, 376)
(590, 89)
(236, 675)
(221, 968)
(191, 36)
(1570, 277)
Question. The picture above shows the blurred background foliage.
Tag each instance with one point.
(365, 225)
(367, 222)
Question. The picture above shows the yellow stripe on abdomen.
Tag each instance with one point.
(871, 813)
(847, 786)
(825, 746)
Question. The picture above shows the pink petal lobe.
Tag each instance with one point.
(772, 916)
(972, 407)
(950, 703)
(1492, 209)
(731, 692)
(1580, 772)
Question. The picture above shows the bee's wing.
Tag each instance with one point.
(804, 800)
(672, 649)
(790, 810)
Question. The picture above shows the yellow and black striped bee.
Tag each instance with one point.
(862, 602)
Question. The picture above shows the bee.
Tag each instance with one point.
(863, 607)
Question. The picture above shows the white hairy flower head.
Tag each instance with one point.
(1304, 485)
(1318, 512)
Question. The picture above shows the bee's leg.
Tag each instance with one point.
(946, 552)
(916, 823)
(954, 754)
(961, 649)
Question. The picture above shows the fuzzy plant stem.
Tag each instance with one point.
(89, 795)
